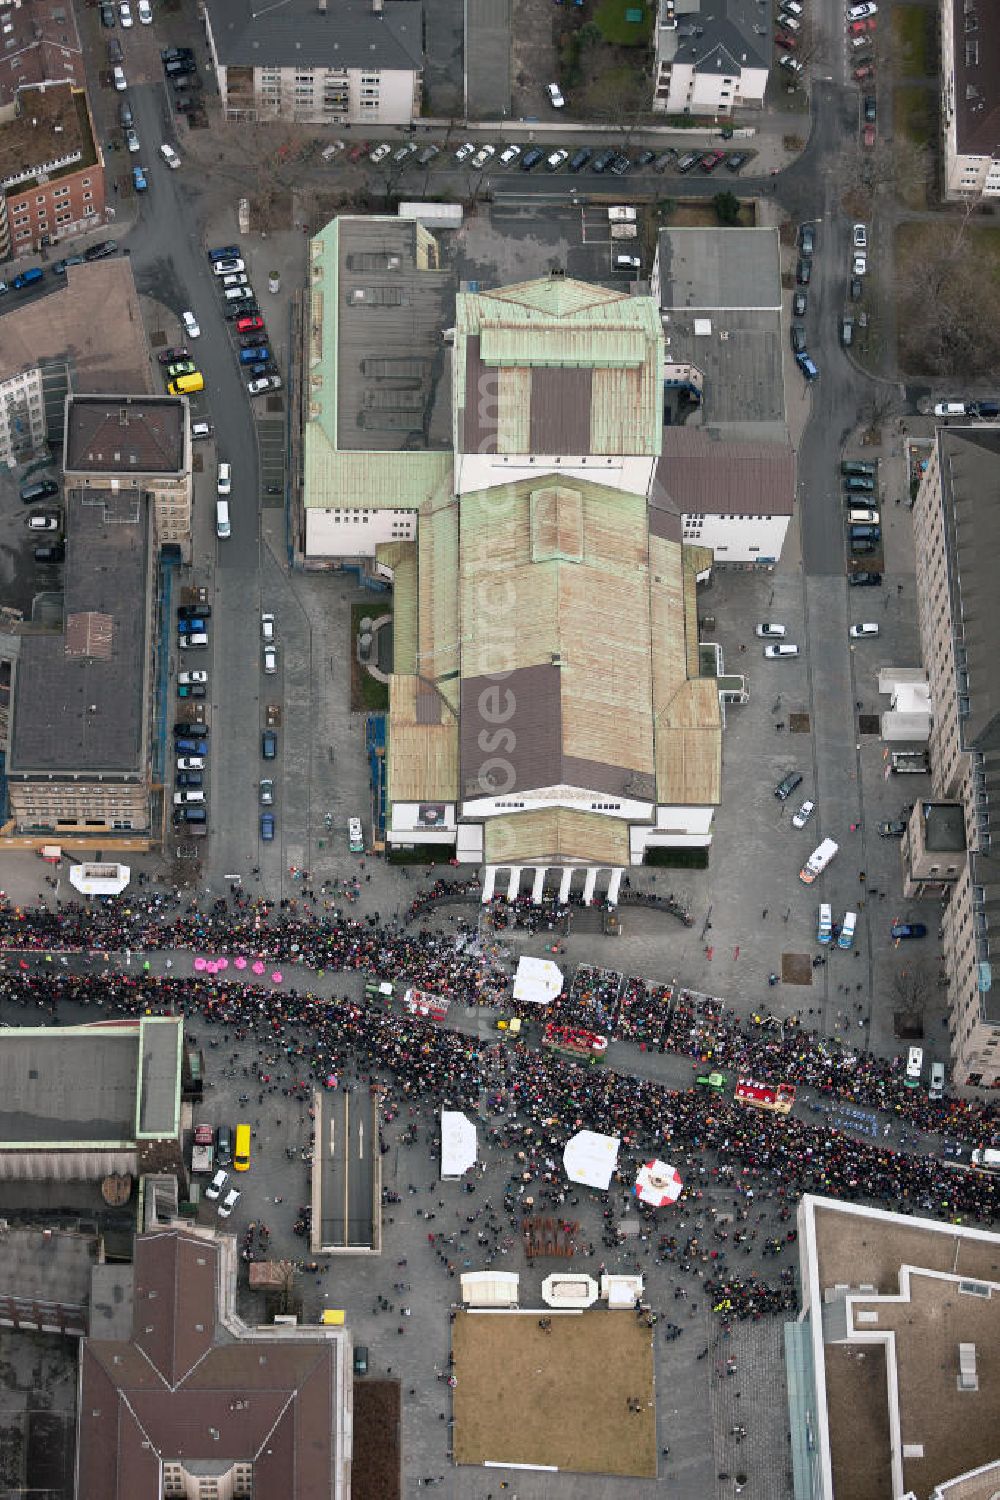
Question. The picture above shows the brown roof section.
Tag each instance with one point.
(976, 31)
(560, 409)
(174, 1303)
(42, 44)
(125, 434)
(482, 402)
(185, 1391)
(47, 128)
(71, 325)
(703, 475)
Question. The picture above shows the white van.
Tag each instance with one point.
(935, 1089)
(818, 861)
(770, 630)
(774, 652)
(863, 515)
(222, 527)
(118, 74)
(355, 836)
(824, 927)
(914, 1066)
(846, 938)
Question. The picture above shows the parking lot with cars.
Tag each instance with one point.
(498, 157)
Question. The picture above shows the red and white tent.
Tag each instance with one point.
(657, 1184)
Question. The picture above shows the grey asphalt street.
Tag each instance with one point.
(170, 265)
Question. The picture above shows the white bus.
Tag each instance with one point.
(846, 938)
(818, 861)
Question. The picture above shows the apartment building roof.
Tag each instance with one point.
(976, 50)
(557, 366)
(41, 43)
(298, 34)
(71, 325)
(80, 693)
(893, 1303)
(970, 469)
(198, 1392)
(50, 126)
(724, 42)
(125, 434)
(943, 827)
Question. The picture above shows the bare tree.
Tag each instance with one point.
(900, 166)
(621, 99)
(912, 991)
(948, 310)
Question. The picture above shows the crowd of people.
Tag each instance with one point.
(552, 1097)
(457, 966)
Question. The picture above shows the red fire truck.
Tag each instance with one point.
(431, 1007)
(776, 1097)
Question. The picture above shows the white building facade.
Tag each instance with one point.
(707, 64)
(970, 99)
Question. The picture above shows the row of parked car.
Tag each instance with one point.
(256, 359)
(791, 22)
(191, 736)
(859, 479)
(800, 300)
(51, 549)
(35, 274)
(527, 158)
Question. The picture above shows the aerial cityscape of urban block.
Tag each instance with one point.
(497, 749)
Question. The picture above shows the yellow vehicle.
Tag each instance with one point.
(186, 385)
(333, 1317)
(241, 1156)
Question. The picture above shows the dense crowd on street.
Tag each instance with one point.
(782, 1157)
(455, 965)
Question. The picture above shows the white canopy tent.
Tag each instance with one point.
(590, 1158)
(538, 981)
(571, 1289)
(490, 1288)
(459, 1144)
(621, 1291)
(99, 880)
(658, 1184)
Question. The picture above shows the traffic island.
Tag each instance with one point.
(546, 1390)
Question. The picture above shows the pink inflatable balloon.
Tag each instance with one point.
(200, 963)
(240, 962)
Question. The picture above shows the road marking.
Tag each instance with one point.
(361, 1140)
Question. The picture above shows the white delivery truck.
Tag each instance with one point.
(824, 927)
(818, 861)
(846, 938)
(986, 1158)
